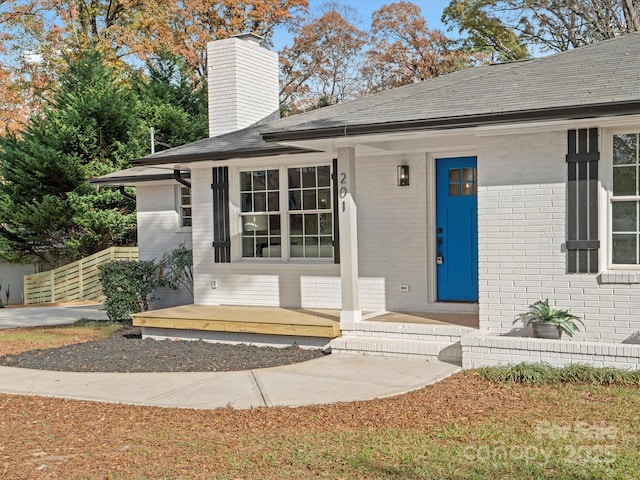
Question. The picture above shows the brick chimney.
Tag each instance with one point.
(243, 83)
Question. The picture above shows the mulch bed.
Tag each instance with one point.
(126, 351)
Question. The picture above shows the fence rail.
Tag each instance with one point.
(75, 282)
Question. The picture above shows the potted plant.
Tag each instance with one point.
(548, 322)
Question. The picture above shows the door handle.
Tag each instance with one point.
(440, 257)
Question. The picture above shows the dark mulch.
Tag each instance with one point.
(126, 351)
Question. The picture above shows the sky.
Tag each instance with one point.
(431, 11)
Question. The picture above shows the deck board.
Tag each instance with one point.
(243, 319)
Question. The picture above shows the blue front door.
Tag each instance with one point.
(457, 229)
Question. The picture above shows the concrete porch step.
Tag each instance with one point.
(445, 351)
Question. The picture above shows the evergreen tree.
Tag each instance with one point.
(173, 102)
(48, 210)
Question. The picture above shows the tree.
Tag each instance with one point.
(172, 103)
(48, 210)
(132, 30)
(324, 60)
(554, 25)
(405, 51)
(485, 30)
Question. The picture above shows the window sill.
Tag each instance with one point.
(270, 265)
(619, 277)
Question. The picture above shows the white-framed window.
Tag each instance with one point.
(310, 214)
(624, 198)
(286, 213)
(184, 207)
(260, 213)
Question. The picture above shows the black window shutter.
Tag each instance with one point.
(582, 201)
(221, 231)
(336, 220)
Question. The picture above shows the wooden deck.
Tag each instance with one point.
(434, 318)
(241, 319)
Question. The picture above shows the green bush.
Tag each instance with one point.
(129, 287)
(177, 268)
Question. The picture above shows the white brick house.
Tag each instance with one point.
(523, 184)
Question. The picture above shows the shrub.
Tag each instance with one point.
(129, 287)
(545, 374)
(177, 268)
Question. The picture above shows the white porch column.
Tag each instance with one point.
(347, 217)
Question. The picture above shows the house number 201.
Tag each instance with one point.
(343, 181)
(343, 188)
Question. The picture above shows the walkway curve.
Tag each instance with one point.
(330, 379)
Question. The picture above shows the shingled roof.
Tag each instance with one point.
(590, 81)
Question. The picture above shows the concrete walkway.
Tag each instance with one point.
(12, 317)
(330, 379)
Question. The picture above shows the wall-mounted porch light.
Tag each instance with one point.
(403, 175)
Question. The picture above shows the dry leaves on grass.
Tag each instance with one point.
(47, 438)
(18, 340)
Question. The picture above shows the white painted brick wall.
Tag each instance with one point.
(392, 229)
(483, 350)
(158, 232)
(243, 84)
(400, 211)
(253, 282)
(521, 232)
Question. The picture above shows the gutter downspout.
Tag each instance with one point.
(177, 175)
(124, 193)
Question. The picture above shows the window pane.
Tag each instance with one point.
(273, 179)
(296, 247)
(625, 149)
(273, 201)
(245, 181)
(624, 181)
(625, 249)
(468, 189)
(186, 222)
(296, 225)
(259, 180)
(295, 202)
(247, 247)
(325, 224)
(326, 247)
(311, 224)
(467, 174)
(274, 225)
(454, 190)
(260, 202)
(324, 198)
(186, 212)
(309, 200)
(324, 176)
(308, 177)
(311, 247)
(246, 200)
(294, 178)
(275, 249)
(624, 217)
(454, 174)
